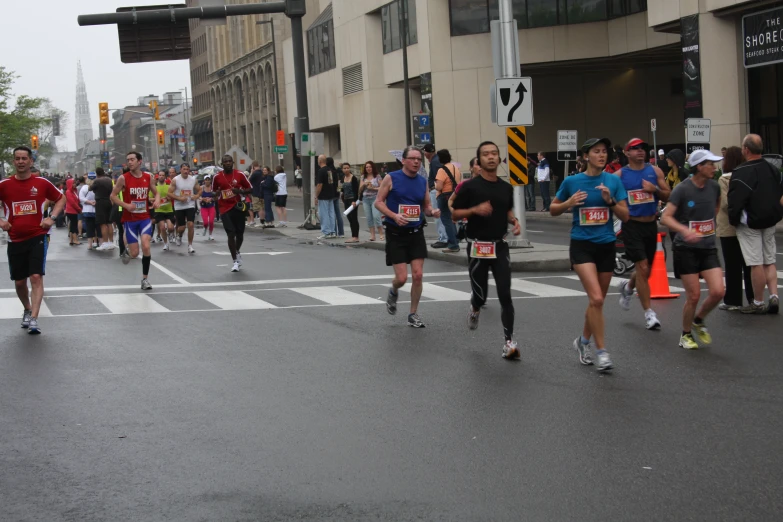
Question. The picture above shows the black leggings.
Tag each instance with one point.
(736, 269)
(73, 223)
(479, 284)
(353, 217)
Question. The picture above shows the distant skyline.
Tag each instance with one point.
(44, 50)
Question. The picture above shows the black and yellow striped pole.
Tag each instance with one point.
(518, 176)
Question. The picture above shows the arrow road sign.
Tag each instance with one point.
(514, 101)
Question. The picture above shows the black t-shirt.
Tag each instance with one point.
(499, 193)
(327, 179)
(102, 188)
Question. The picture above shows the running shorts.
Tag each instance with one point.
(696, 260)
(135, 229)
(185, 215)
(233, 221)
(641, 240)
(160, 217)
(602, 255)
(28, 257)
(103, 211)
(403, 246)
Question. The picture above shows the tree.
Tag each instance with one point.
(19, 123)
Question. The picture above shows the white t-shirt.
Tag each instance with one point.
(85, 194)
(181, 187)
(298, 173)
(282, 189)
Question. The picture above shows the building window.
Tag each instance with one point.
(473, 16)
(391, 18)
(320, 48)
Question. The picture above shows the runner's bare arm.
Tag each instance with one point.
(383, 193)
(664, 191)
(621, 210)
(667, 220)
(557, 207)
(118, 187)
(154, 190)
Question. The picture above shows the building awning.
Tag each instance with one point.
(325, 16)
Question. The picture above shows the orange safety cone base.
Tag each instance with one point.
(659, 279)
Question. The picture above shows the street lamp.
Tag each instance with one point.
(271, 22)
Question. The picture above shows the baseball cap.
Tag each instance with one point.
(592, 142)
(701, 155)
(660, 152)
(636, 142)
(429, 147)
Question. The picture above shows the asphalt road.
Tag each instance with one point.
(286, 392)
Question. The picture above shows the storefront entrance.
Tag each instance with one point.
(765, 96)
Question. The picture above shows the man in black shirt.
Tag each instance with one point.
(487, 202)
(102, 187)
(324, 194)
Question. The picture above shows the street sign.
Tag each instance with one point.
(280, 156)
(422, 123)
(281, 149)
(422, 138)
(653, 125)
(312, 143)
(517, 155)
(698, 130)
(696, 146)
(280, 135)
(567, 145)
(514, 101)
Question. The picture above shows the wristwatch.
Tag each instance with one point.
(612, 202)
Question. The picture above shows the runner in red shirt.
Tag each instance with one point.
(230, 185)
(23, 196)
(136, 187)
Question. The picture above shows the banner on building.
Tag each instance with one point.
(762, 37)
(691, 67)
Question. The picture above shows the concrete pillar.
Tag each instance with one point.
(723, 80)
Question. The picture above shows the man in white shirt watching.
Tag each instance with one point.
(542, 176)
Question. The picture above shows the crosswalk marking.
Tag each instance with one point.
(334, 295)
(130, 304)
(441, 293)
(234, 300)
(616, 281)
(543, 290)
(11, 309)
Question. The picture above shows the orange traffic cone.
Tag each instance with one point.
(659, 279)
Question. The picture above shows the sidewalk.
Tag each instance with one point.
(540, 258)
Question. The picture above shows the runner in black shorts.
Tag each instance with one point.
(488, 204)
(694, 204)
(403, 199)
(231, 186)
(646, 186)
(594, 196)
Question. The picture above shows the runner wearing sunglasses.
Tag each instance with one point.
(594, 196)
(646, 186)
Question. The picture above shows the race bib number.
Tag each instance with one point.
(25, 208)
(703, 228)
(227, 194)
(483, 250)
(411, 213)
(186, 193)
(592, 216)
(640, 197)
(139, 207)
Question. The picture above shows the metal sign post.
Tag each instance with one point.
(653, 128)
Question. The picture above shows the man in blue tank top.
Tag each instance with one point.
(404, 200)
(646, 186)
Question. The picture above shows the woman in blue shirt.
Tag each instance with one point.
(593, 197)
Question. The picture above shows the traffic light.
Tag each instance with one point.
(161, 137)
(34, 142)
(103, 111)
(154, 108)
(195, 162)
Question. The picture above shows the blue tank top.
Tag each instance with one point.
(205, 194)
(407, 197)
(640, 203)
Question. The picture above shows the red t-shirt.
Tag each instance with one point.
(23, 201)
(222, 185)
(136, 192)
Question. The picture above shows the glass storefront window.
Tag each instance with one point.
(541, 13)
(469, 17)
(320, 48)
(390, 22)
(579, 11)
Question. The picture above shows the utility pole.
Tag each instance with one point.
(404, 39)
(271, 23)
(187, 134)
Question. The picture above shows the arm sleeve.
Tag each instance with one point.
(739, 192)
(462, 199)
(52, 194)
(83, 193)
(565, 190)
(676, 196)
(620, 193)
(355, 185)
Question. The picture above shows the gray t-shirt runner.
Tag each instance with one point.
(696, 210)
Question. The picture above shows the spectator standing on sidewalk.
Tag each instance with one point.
(530, 188)
(102, 187)
(543, 177)
(350, 195)
(733, 262)
(338, 214)
(324, 194)
(298, 178)
(87, 199)
(446, 180)
(435, 165)
(256, 178)
(755, 191)
(368, 191)
(281, 197)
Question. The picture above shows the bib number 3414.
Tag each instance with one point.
(592, 216)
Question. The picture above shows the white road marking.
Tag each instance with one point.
(335, 295)
(440, 293)
(130, 304)
(615, 283)
(11, 308)
(543, 290)
(168, 272)
(253, 253)
(234, 300)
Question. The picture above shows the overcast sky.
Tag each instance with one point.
(42, 43)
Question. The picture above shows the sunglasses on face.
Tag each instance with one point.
(636, 147)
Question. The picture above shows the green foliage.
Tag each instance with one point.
(18, 123)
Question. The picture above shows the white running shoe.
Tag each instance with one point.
(110, 246)
(235, 268)
(102, 247)
(204, 233)
(179, 241)
(191, 250)
(239, 258)
(165, 247)
(651, 320)
(625, 298)
(211, 238)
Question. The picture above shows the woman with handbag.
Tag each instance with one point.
(445, 181)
